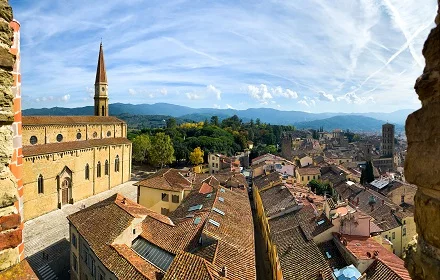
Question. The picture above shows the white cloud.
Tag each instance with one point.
(163, 91)
(287, 93)
(65, 97)
(216, 106)
(192, 96)
(132, 91)
(303, 102)
(323, 96)
(229, 106)
(263, 93)
(217, 92)
(353, 98)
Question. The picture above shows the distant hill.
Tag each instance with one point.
(266, 115)
(352, 122)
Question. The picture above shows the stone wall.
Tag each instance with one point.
(422, 163)
(11, 189)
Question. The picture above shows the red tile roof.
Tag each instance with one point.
(188, 266)
(167, 179)
(364, 248)
(34, 150)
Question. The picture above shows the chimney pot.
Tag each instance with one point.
(224, 271)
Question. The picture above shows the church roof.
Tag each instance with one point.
(101, 75)
(71, 120)
(69, 146)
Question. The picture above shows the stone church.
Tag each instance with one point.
(69, 158)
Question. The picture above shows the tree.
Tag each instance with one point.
(214, 120)
(257, 122)
(171, 123)
(162, 151)
(196, 156)
(141, 147)
(367, 175)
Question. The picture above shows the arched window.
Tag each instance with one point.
(87, 172)
(117, 164)
(40, 184)
(98, 169)
(106, 167)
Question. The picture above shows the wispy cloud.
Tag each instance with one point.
(320, 53)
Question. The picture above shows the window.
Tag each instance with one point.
(87, 172)
(78, 136)
(74, 240)
(394, 235)
(74, 263)
(164, 211)
(93, 267)
(212, 164)
(95, 134)
(84, 253)
(308, 178)
(175, 198)
(216, 165)
(117, 164)
(134, 231)
(98, 169)
(106, 167)
(109, 133)
(165, 197)
(302, 178)
(404, 231)
(40, 184)
(33, 140)
(59, 137)
(386, 236)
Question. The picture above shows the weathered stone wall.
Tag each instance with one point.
(422, 163)
(11, 190)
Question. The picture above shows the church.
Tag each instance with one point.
(69, 158)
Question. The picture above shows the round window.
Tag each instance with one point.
(95, 134)
(78, 136)
(33, 140)
(102, 88)
(59, 137)
(109, 134)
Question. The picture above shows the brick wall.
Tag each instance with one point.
(11, 158)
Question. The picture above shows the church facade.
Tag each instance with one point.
(69, 158)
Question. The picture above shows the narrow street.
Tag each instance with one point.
(261, 259)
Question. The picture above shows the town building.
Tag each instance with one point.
(69, 158)
(307, 174)
(388, 140)
(209, 235)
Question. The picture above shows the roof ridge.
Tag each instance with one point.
(378, 258)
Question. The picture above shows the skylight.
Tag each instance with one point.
(222, 190)
(217, 224)
(208, 195)
(190, 216)
(196, 207)
(320, 222)
(218, 211)
(197, 220)
(221, 199)
(328, 255)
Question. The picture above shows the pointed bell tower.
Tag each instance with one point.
(101, 87)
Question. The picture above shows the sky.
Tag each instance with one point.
(314, 55)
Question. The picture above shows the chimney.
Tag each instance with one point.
(224, 271)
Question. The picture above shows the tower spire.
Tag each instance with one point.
(101, 86)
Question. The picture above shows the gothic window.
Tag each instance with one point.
(87, 172)
(117, 164)
(59, 137)
(106, 167)
(40, 184)
(109, 133)
(78, 136)
(33, 140)
(95, 134)
(98, 169)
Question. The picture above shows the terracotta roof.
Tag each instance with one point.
(277, 199)
(309, 171)
(69, 120)
(99, 234)
(101, 76)
(34, 150)
(187, 266)
(167, 179)
(364, 248)
(264, 181)
(380, 271)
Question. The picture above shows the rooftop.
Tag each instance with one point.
(168, 179)
(69, 120)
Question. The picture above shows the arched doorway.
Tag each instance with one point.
(65, 187)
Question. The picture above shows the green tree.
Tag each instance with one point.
(214, 120)
(196, 156)
(257, 122)
(367, 175)
(171, 123)
(141, 147)
(162, 151)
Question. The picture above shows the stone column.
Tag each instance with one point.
(11, 158)
(422, 164)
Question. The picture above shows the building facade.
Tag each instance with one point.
(69, 158)
(388, 140)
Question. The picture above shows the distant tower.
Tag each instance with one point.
(388, 140)
(101, 87)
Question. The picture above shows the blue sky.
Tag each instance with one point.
(314, 55)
